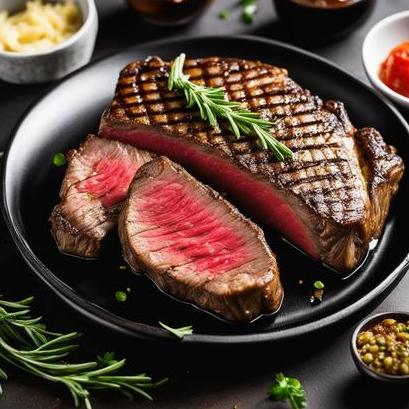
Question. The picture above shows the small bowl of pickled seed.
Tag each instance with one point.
(380, 346)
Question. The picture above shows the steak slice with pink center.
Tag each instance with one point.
(97, 179)
(196, 246)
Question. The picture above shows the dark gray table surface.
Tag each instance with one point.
(215, 378)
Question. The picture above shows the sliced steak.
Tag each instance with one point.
(196, 246)
(331, 200)
(96, 181)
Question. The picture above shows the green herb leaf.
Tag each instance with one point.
(319, 285)
(248, 10)
(59, 159)
(28, 345)
(288, 389)
(213, 105)
(179, 332)
(108, 358)
(224, 15)
(121, 296)
(248, 14)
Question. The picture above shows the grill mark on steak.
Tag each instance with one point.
(307, 148)
(218, 260)
(96, 181)
(327, 163)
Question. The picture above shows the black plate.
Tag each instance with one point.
(72, 109)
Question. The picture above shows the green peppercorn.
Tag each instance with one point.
(380, 340)
(373, 349)
(377, 363)
(388, 322)
(388, 362)
(364, 337)
(367, 358)
(402, 336)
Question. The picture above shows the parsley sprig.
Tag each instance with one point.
(288, 389)
(213, 105)
(26, 343)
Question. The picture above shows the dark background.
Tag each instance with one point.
(201, 378)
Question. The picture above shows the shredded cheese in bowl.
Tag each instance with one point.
(39, 27)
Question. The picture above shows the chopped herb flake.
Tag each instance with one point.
(59, 159)
(224, 15)
(319, 285)
(248, 10)
(121, 296)
(179, 332)
(107, 359)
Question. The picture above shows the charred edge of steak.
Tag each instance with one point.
(237, 305)
(338, 109)
(383, 170)
(70, 240)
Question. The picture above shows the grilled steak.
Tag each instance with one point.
(331, 200)
(196, 246)
(96, 181)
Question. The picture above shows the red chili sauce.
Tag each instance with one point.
(394, 71)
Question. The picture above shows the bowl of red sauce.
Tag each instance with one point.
(385, 55)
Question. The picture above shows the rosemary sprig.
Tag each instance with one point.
(213, 104)
(27, 344)
(178, 332)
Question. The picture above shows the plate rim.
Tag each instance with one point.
(148, 332)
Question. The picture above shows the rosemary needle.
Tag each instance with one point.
(178, 332)
(27, 344)
(213, 105)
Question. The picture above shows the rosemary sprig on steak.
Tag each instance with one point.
(213, 105)
(26, 344)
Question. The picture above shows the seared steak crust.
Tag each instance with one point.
(339, 185)
(196, 246)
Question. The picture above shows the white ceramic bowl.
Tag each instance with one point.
(56, 62)
(380, 40)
